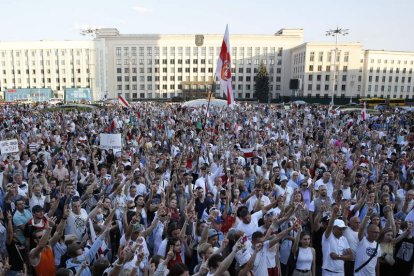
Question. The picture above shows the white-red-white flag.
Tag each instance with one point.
(364, 114)
(223, 70)
(123, 102)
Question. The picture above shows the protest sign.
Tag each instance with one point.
(9, 146)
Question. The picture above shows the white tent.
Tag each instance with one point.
(201, 102)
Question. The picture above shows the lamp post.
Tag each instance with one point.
(335, 33)
(352, 88)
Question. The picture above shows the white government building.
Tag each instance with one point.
(157, 66)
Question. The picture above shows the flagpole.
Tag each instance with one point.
(208, 104)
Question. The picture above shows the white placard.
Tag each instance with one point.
(111, 141)
(9, 146)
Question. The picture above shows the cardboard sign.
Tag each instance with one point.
(111, 141)
(9, 146)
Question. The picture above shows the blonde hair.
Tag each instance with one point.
(203, 248)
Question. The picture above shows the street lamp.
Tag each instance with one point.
(352, 87)
(335, 33)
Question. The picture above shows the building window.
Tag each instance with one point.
(311, 68)
(118, 51)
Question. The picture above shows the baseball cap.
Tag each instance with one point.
(339, 223)
(212, 233)
(283, 178)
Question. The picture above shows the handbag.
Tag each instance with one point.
(369, 259)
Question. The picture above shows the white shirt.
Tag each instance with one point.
(364, 251)
(76, 224)
(352, 238)
(333, 245)
(34, 200)
(281, 191)
(252, 227)
(305, 258)
(260, 263)
(251, 202)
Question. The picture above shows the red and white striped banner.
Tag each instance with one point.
(123, 102)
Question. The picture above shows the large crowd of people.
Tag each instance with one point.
(257, 190)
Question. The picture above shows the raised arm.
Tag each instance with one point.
(59, 230)
(280, 236)
(361, 231)
(35, 252)
(225, 264)
(296, 243)
(328, 231)
(149, 230)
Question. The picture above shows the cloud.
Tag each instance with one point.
(140, 9)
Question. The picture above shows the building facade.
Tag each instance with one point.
(54, 65)
(167, 66)
(327, 69)
(152, 66)
(388, 74)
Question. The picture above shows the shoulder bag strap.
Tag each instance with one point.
(370, 258)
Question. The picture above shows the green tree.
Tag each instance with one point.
(262, 84)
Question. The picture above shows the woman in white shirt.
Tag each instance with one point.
(304, 255)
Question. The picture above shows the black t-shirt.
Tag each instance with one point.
(200, 207)
(404, 256)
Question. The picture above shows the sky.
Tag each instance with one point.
(377, 24)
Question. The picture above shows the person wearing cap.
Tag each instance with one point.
(294, 181)
(335, 247)
(284, 190)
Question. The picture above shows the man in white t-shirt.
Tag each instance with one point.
(351, 235)
(249, 223)
(284, 190)
(258, 196)
(368, 250)
(265, 258)
(335, 247)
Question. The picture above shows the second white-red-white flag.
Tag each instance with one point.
(223, 70)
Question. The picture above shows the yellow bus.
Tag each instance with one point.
(374, 102)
